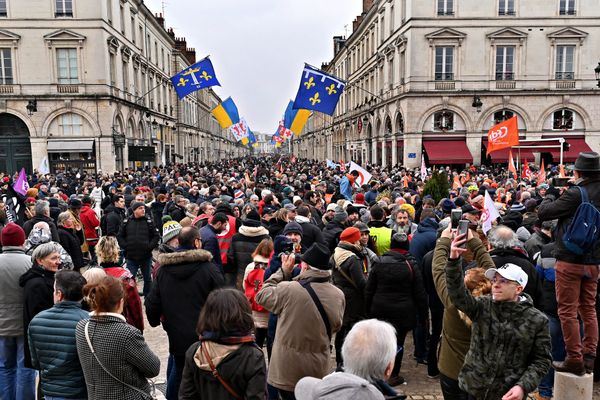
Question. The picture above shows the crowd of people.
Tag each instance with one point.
(281, 278)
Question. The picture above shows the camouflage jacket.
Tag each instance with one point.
(510, 341)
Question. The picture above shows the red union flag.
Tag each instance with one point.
(503, 135)
(526, 173)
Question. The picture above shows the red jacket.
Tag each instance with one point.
(224, 238)
(132, 309)
(90, 222)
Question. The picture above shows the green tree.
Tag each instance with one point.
(437, 186)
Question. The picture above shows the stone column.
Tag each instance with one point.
(383, 153)
(394, 151)
(474, 144)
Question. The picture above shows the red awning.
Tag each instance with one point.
(448, 152)
(576, 146)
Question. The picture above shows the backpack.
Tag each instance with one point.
(254, 282)
(583, 231)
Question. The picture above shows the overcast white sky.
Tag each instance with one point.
(258, 47)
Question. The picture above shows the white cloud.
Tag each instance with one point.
(258, 47)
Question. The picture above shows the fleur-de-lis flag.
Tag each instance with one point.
(195, 77)
(318, 91)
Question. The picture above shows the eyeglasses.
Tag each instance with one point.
(502, 281)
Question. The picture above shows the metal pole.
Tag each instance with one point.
(562, 142)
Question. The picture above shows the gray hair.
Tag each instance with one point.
(502, 237)
(42, 207)
(369, 348)
(63, 217)
(44, 250)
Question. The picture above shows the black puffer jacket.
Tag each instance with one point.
(243, 244)
(114, 217)
(28, 226)
(182, 285)
(348, 265)
(517, 257)
(38, 289)
(545, 266)
(71, 244)
(138, 237)
(310, 234)
(564, 209)
(395, 292)
(243, 369)
(331, 234)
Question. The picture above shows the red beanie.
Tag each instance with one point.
(350, 235)
(12, 235)
(360, 198)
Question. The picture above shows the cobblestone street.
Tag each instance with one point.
(418, 386)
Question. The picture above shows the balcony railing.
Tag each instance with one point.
(444, 85)
(506, 12)
(448, 76)
(506, 84)
(570, 11)
(505, 76)
(445, 13)
(565, 76)
(6, 89)
(60, 14)
(563, 84)
(67, 89)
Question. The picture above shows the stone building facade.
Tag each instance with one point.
(86, 84)
(429, 78)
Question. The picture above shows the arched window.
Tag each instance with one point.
(70, 124)
(443, 121)
(563, 119)
(502, 115)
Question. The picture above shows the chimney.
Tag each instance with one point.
(338, 44)
(367, 4)
(356, 23)
(324, 66)
(190, 54)
(171, 33)
(181, 45)
(160, 19)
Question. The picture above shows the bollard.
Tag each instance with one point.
(573, 387)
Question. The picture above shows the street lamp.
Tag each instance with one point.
(31, 107)
(477, 103)
(597, 71)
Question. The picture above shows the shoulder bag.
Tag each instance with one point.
(153, 395)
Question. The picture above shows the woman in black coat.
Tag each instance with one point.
(227, 346)
(68, 240)
(395, 294)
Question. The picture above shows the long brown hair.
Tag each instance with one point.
(264, 248)
(226, 312)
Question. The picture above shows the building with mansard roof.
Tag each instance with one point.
(430, 78)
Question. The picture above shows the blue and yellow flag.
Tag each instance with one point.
(226, 113)
(294, 120)
(318, 91)
(195, 77)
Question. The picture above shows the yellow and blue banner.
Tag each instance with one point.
(195, 77)
(226, 113)
(294, 120)
(318, 91)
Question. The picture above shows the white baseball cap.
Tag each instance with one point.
(510, 271)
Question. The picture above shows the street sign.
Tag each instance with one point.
(412, 155)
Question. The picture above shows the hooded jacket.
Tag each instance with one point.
(90, 222)
(114, 217)
(395, 291)
(243, 244)
(38, 288)
(242, 366)
(348, 275)
(183, 282)
(510, 341)
(28, 225)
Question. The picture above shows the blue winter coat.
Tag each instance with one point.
(346, 188)
(423, 240)
(54, 350)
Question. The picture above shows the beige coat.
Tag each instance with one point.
(301, 346)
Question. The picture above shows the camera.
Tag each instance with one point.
(560, 182)
(288, 248)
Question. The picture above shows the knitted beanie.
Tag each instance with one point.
(170, 230)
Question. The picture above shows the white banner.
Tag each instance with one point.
(363, 175)
(490, 213)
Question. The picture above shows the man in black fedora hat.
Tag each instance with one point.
(576, 275)
(310, 310)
